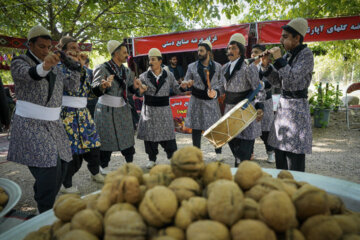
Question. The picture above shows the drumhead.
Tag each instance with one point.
(231, 124)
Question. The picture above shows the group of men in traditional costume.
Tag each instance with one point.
(53, 131)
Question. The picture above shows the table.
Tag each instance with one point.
(349, 192)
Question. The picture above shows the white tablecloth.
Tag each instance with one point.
(348, 191)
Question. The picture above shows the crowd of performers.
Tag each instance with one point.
(52, 89)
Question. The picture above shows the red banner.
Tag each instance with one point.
(179, 106)
(188, 41)
(327, 29)
(12, 42)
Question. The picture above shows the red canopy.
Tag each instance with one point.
(20, 43)
(188, 41)
(326, 29)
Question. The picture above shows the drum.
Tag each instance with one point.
(231, 124)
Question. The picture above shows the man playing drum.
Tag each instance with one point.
(240, 81)
(203, 110)
(156, 125)
(268, 118)
(291, 133)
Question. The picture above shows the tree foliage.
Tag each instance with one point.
(344, 53)
(99, 21)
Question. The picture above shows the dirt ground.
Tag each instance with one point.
(336, 153)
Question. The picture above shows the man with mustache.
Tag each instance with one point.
(203, 109)
(268, 118)
(240, 81)
(291, 133)
(113, 119)
(156, 125)
(38, 138)
(78, 123)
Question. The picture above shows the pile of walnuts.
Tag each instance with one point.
(188, 200)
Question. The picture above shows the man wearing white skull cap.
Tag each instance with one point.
(291, 133)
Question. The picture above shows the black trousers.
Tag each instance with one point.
(93, 162)
(264, 137)
(47, 184)
(151, 148)
(196, 139)
(241, 149)
(105, 156)
(289, 160)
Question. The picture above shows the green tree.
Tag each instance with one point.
(98, 21)
(343, 53)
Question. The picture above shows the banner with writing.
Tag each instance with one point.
(189, 40)
(326, 29)
(179, 106)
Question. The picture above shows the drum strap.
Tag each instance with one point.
(202, 94)
(252, 95)
(294, 94)
(156, 101)
(235, 97)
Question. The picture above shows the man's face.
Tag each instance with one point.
(173, 61)
(40, 48)
(288, 41)
(256, 52)
(202, 53)
(154, 63)
(233, 52)
(72, 49)
(122, 54)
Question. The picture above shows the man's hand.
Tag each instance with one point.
(107, 83)
(276, 52)
(50, 61)
(260, 115)
(212, 93)
(137, 83)
(78, 56)
(265, 61)
(190, 83)
(143, 88)
(183, 84)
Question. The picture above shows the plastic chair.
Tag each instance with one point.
(351, 88)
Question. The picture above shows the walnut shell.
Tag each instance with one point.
(277, 211)
(225, 202)
(88, 220)
(66, 206)
(158, 206)
(215, 171)
(125, 225)
(251, 229)
(193, 209)
(321, 227)
(188, 162)
(247, 174)
(185, 188)
(310, 201)
(207, 229)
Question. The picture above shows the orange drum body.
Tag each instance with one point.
(231, 124)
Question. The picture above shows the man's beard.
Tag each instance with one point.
(202, 57)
